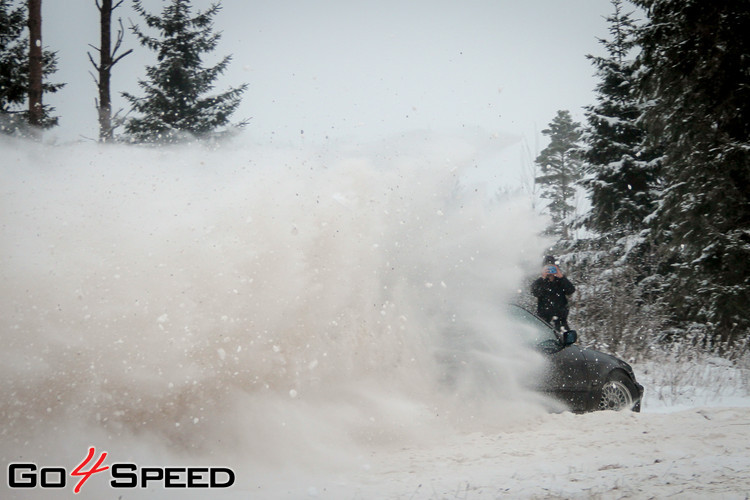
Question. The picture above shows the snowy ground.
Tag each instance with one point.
(663, 452)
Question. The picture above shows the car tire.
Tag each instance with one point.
(617, 394)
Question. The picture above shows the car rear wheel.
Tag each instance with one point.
(617, 394)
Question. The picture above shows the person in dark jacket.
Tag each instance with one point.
(552, 290)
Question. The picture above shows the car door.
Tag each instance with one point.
(566, 377)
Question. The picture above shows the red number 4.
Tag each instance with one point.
(88, 473)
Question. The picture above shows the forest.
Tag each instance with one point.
(661, 253)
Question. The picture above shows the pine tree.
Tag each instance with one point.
(561, 169)
(177, 101)
(621, 175)
(613, 265)
(14, 70)
(696, 78)
(13, 54)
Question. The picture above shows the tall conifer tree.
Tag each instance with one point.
(696, 78)
(613, 265)
(560, 167)
(177, 103)
(621, 175)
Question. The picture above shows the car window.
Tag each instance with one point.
(533, 331)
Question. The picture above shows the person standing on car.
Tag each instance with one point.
(552, 290)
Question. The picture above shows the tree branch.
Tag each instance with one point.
(94, 78)
(92, 61)
(116, 59)
(118, 42)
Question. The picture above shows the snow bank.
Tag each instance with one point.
(254, 307)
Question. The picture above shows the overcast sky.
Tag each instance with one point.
(326, 70)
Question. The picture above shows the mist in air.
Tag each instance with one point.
(256, 307)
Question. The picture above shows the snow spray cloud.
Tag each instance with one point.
(253, 301)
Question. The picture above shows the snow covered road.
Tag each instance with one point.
(696, 453)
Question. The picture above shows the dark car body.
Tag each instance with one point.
(580, 378)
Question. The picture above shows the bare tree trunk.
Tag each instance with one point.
(107, 59)
(105, 64)
(35, 63)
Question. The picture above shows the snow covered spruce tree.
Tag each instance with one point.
(696, 78)
(621, 174)
(612, 264)
(560, 166)
(14, 71)
(177, 105)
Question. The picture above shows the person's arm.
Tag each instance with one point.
(568, 287)
(536, 287)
